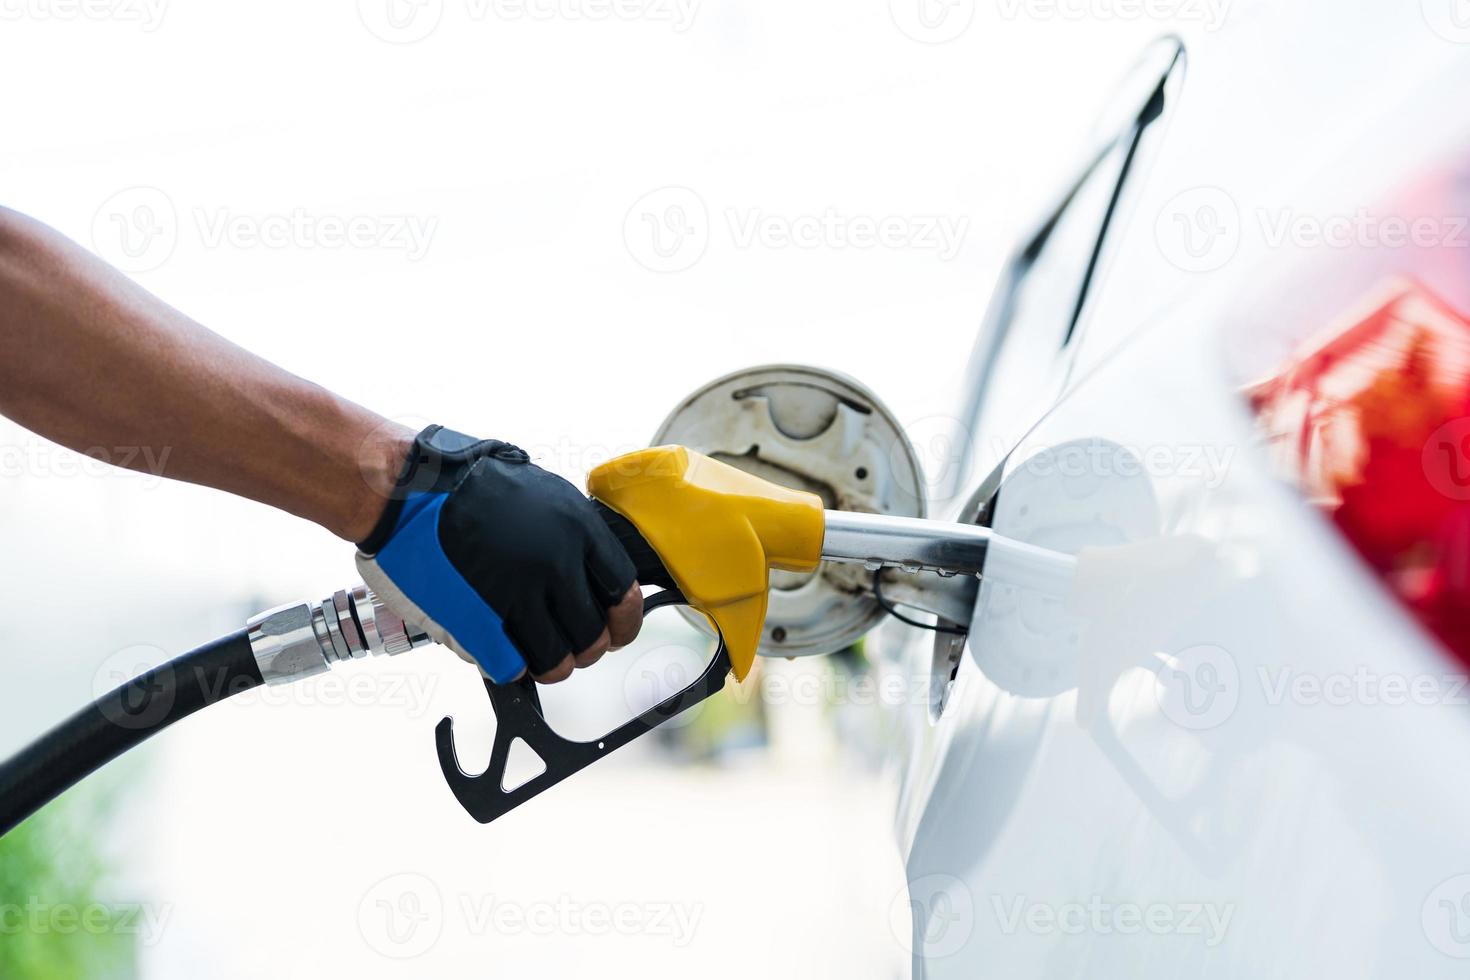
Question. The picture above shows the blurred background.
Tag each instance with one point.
(545, 221)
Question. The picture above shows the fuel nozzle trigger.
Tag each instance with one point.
(518, 714)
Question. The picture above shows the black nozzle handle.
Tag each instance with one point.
(651, 570)
(518, 714)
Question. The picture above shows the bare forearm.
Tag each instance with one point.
(89, 359)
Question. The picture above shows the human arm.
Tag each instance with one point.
(90, 360)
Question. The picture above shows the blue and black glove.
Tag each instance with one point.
(506, 564)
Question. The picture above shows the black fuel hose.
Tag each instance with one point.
(120, 720)
(149, 703)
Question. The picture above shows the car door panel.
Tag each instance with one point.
(1126, 780)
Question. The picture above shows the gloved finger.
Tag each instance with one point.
(579, 616)
(593, 653)
(609, 569)
(536, 636)
(582, 621)
(625, 619)
(558, 673)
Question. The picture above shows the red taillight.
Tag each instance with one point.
(1373, 419)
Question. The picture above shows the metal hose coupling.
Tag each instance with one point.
(300, 639)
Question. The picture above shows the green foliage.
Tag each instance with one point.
(53, 924)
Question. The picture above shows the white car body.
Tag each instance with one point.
(1230, 751)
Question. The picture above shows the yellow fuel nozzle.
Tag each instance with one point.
(718, 530)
